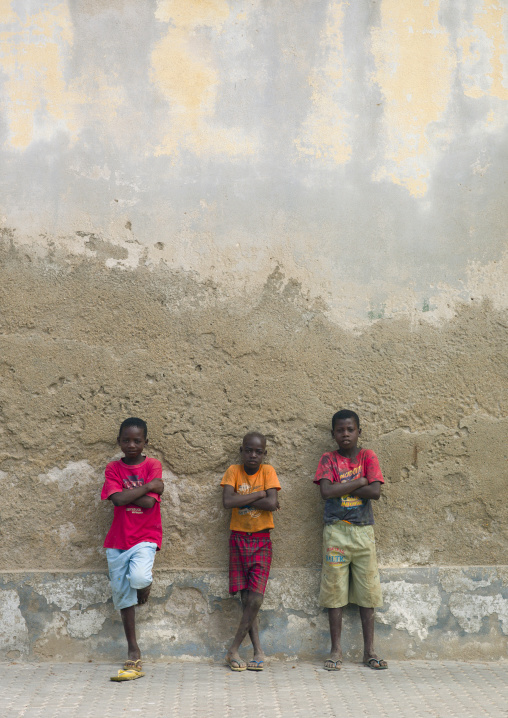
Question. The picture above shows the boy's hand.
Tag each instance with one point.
(368, 491)
(362, 482)
(335, 490)
(157, 486)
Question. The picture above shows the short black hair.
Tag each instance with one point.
(345, 414)
(133, 421)
(256, 434)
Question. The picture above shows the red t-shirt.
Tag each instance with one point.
(132, 524)
(337, 468)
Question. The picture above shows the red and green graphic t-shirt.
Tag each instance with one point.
(337, 468)
(132, 524)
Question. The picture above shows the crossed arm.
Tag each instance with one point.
(137, 496)
(359, 487)
(263, 500)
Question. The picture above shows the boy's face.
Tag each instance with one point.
(253, 450)
(346, 433)
(132, 441)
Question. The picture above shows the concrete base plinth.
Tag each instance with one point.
(432, 613)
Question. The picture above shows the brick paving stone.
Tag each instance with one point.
(420, 689)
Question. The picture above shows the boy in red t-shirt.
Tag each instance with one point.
(134, 485)
(349, 479)
(250, 489)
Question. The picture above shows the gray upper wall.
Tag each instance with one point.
(359, 146)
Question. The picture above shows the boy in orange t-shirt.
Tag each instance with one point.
(250, 490)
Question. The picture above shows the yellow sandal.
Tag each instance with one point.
(130, 671)
(129, 675)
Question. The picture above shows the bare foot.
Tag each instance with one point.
(235, 662)
(143, 594)
(134, 654)
(334, 662)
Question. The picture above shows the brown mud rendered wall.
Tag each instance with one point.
(92, 346)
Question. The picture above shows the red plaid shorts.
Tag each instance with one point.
(250, 556)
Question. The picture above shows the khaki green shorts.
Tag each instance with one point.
(344, 546)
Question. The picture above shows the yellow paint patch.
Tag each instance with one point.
(325, 133)
(7, 14)
(32, 52)
(482, 48)
(188, 80)
(414, 66)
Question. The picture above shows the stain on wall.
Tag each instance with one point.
(325, 130)
(414, 70)
(225, 216)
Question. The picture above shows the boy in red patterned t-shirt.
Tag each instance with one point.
(134, 486)
(349, 479)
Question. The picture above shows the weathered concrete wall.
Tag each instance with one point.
(226, 216)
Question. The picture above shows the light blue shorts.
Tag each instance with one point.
(130, 570)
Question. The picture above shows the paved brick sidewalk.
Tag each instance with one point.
(293, 690)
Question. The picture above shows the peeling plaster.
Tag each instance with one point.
(75, 473)
(67, 593)
(13, 628)
(295, 594)
(171, 486)
(83, 624)
(413, 608)
(456, 580)
(66, 532)
(470, 610)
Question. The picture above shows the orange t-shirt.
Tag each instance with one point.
(245, 518)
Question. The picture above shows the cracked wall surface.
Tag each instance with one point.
(225, 216)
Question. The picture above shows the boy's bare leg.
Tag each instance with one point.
(252, 605)
(335, 620)
(254, 633)
(367, 617)
(143, 594)
(129, 626)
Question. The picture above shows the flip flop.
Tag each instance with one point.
(255, 665)
(133, 665)
(130, 675)
(377, 664)
(236, 666)
(337, 665)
